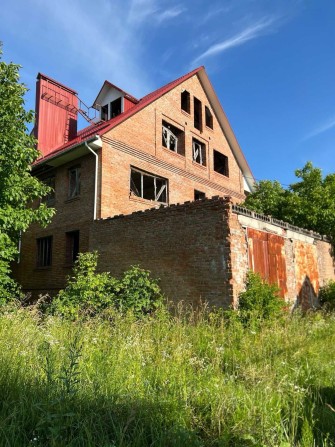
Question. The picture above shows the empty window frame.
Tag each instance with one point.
(185, 101)
(198, 195)
(221, 163)
(209, 118)
(104, 112)
(199, 152)
(74, 182)
(44, 251)
(173, 138)
(116, 107)
(148, 186)
(72, 246)
(197, 114)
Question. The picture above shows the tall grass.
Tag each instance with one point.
(192, 379)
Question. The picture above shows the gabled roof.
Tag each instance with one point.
(104, 127)
(110, 85)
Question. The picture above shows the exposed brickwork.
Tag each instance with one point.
(185, 246)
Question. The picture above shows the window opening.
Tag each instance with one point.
(50, 198)
(199, 152)
(197, 114)
(74, 182)
(44, 251)
(116, 106)
(148, 186)
(173, 138)
(198, 195)
(221, 163)
(104, 112)
(209, 118)
(72, 246)
(185, 101)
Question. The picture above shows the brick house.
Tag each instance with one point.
(174, 145)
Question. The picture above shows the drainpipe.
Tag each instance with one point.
(95, 181)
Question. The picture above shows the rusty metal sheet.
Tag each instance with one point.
(267, 257)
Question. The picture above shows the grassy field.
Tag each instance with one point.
(191, 379)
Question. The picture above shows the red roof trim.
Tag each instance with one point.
(53, 81)
(105, 126)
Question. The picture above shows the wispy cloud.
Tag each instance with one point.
(253, 31)
(169, 13)
(329, 124)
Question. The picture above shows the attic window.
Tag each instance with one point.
(209, 118)
(185, 101)
(197, 114)
(104, 112)
(221, 163)
(199, 152)
(173, 138)
(116, 107)
(148, 186)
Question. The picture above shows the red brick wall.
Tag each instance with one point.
(185, 246)
(73, 214)
(138, 142)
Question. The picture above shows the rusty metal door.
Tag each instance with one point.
(267, 258)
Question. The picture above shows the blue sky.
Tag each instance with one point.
(272, 63)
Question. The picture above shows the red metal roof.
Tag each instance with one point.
(53, 81)
(105, 126)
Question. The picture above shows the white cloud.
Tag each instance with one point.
(251, 32)
(170, 13)
(329, 124)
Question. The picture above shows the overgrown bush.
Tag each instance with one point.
(260, 301)
(327, 296)
(90, 293)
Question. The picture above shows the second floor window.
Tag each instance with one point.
(148, 186)
(74, 182)
(50, 198)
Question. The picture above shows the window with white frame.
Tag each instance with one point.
(199, 152)
(74, 182)
(148, 186)
(173, 138)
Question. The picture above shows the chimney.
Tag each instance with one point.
(56, 114)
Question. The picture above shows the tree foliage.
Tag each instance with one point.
(17, 186)
(308, 203)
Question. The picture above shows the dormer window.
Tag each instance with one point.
(104, 112)
(115, 107)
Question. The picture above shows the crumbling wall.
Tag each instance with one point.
(186, 246)
(298, 261)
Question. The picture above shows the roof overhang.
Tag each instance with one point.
(248, 177)
(70, 154)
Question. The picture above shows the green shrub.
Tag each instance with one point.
(260, 301)
(138, 292)
(327, 296)
(90, 293)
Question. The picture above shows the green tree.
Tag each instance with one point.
(17, 186)
(308, 203)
